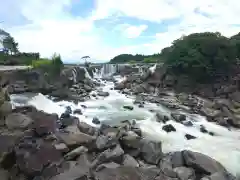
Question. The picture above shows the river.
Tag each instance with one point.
(224, 146)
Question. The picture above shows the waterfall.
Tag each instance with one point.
(74, 75)
(108, 69)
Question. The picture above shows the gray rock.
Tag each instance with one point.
(151, 151)
(184, 173)
(202, 163)
(169, 128)
(102, 93)
(76, 152)
(105, 142)
(18, 121)
(130, 161)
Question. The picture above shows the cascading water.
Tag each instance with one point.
(108, 69)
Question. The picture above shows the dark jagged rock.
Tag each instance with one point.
(169, 128)
(96, 120)
(102, 93)
(178, 117)
(77, 111)
(161, 118)
(189, 136)
(128, 107)
(203, 129)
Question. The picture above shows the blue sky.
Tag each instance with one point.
(103, 29)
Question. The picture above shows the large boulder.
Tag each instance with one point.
(18, 121)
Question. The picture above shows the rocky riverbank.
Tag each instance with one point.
(72, 84)
(219, 102)
(36, 145)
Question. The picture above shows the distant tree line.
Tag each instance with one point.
(138, 58)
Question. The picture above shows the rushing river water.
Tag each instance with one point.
(224, 146)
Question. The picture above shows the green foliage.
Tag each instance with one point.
(52, 66)
(9, 43)
(132, 62)
(150, 60)
(200, 55)
(126, 58)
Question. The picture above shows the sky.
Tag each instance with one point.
(103, 29)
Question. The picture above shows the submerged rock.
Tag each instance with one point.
(169, 128)
(128, 107)
(96, 120)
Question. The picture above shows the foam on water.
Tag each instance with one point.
(224, 146)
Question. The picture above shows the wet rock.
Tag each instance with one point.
(83, 106)
(161, 118)
(102, 93)
(211, 133)
(68, 121)
(128, 107)
(141, 106)
(96, 120)
(203, 129)
(132, 141)
(189, 136)
(75, 153)
(18, 121)
(169, 128)
(109, 155)
(151, 151)
(184, 173)
(119, 86)
(202, 163)
(187, 123)
(178, 117)
(130, 161)
(77, 111)
(65, 115)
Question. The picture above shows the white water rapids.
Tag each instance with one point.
(224, 146)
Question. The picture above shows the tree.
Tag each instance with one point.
(201, 55)
(9, 43)
(85, 58)
(57, 63)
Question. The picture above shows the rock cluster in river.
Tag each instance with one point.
(34, 146)
(222, 105)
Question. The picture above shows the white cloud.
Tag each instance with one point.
(134, 31)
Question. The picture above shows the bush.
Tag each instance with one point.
(150, 60)
(201, 55)
(51, 66)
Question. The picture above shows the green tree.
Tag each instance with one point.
(57, 63)
(201, 55)
(9, 43)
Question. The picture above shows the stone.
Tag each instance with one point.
(151, 151)
(203, 129)
(129, 161)
(102, 93)
(77, 111)
(187, 123)
(202, 163)
(184, 173)
(161, 118)
(75, 139)
(105, 142)
(75, 153)
(61, 147)
(86, 128)
(109, 155)
(189, 136)
(4, 175)
(18, 121)
(169, 128)
(128, 107)
(126, 173)
(96, 120)
(178, 117)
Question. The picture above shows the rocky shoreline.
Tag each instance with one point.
(39, 146)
